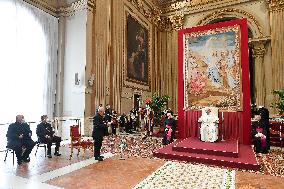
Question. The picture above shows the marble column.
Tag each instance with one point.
(258, 54)
(90, 75)
(276, 8)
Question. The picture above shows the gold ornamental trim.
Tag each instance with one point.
(154, 15)
(222, 12)
(193, 4)
(75, 7)
(259, 50)
(183, 4)
(91, 5)
(64, 11)
(276, 5)
(177, 21)
(43, 6)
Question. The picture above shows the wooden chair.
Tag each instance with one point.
(77, 142)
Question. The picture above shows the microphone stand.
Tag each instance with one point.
(222, 140)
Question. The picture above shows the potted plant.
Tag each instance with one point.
(157, 104)
(279, 104)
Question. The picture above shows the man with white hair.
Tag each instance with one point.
(209, 126)
(99, 127)
(19, 139)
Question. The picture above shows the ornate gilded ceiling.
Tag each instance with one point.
(159, 2)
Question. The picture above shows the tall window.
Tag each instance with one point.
(24, 63)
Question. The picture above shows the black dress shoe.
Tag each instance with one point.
(102, 156)
(57, 154)
(19, 162)
(49, 155)
(99, 158)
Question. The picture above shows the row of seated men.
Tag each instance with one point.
(19, 138)
(135, 120)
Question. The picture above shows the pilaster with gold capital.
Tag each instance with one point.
(275, 5)
(276, 8)
(259, 51)
(258, 48)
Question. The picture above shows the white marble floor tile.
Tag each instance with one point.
(16, 182)
(67, 169)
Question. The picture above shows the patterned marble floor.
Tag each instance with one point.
(60, 172)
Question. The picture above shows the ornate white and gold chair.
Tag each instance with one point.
(209, 124)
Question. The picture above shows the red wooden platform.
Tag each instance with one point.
(227, 153)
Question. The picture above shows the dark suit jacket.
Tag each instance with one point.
(99, 126)
(15, 130)
(44, 129)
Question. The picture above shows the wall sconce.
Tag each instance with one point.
(91, 80)
(77, 80)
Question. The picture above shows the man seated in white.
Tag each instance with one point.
(209, 124)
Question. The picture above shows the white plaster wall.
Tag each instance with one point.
(74, 62)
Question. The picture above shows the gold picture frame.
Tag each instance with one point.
(137, 63)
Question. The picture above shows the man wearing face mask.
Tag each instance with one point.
(46, 135)
(19, 139)
(99, 127)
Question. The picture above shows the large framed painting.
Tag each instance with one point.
(137, 66)
(212, 69)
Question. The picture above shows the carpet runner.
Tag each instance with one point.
(184, 175)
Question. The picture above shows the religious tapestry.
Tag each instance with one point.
(137, 67)
(212, 69)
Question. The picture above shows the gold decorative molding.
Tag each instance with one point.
(195, 4)
(91, 5)
(63, 11)
(43, 6)
(154, 14)
(74, 7)
(262, 38)
(177, 21)
(259, 49)
(275, 5)
(221, 13)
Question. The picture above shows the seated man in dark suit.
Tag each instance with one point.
(19, 139)
(46, 135)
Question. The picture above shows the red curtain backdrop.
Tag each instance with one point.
(237, 124)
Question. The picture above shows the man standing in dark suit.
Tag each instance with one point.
(19, 139)
(99, 127)
(46, 135)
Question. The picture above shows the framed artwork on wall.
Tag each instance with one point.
(137, 60)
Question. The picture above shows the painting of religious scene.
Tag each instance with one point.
(212, 69)
(137, 51)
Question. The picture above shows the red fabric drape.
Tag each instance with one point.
(232, 125)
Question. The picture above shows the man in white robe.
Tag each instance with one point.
(209, 126)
